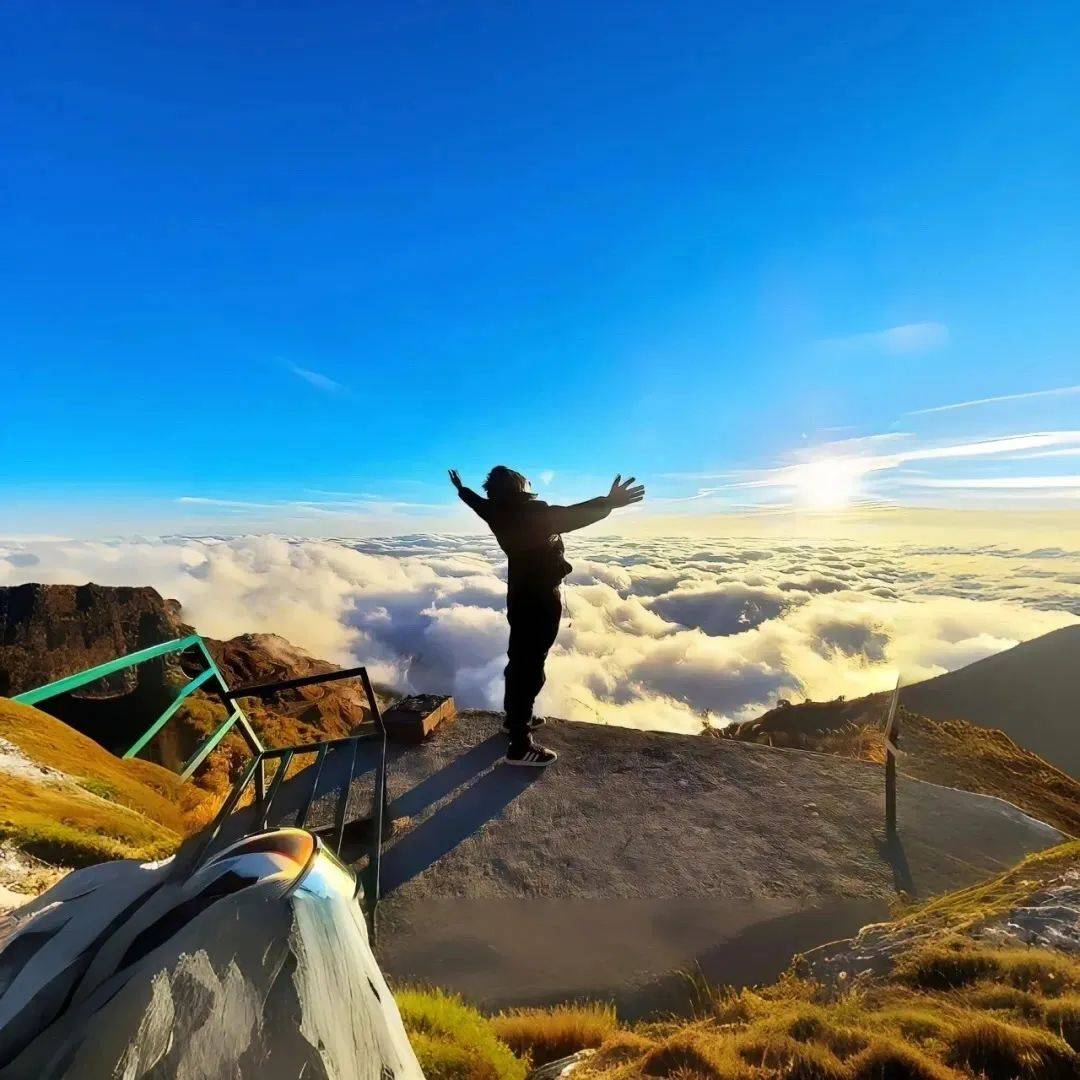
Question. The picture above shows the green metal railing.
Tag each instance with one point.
(234, 715)
(254, 772)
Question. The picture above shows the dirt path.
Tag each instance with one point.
(643, 853)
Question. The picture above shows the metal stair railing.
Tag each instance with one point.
(264, 799)
(254, 772)
(234, 714)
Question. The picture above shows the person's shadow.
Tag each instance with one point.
(449, 778)
(460, 818)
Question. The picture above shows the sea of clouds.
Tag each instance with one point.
(661, 633)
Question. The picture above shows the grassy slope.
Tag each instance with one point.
(951, 752)
(100, 808)
(952, 1009)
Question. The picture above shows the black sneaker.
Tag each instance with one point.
(533, 724)
(530, 755)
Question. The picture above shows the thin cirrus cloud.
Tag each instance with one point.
(337, 507)
(226, 504)
(895, 340)
(318, 380)
(867, 463)
(845, 467)
(1004, 483)
(1059, 391)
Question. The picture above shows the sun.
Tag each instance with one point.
(828, 483)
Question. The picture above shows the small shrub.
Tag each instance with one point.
(786, 1059)
(1063, 1017)
(453, 1041)
(1001, 998)
(956, 965)
(1006, 1051)
(544, 1035)
(887, 1059)
(620, 1048)
(680, 1054)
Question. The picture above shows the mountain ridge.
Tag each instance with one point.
(1030, 692)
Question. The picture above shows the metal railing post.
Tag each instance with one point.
(379, 814)
(892, 736)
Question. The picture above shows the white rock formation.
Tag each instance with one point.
(256, 964)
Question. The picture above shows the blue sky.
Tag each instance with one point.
(279, 265)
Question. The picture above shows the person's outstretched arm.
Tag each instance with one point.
(469, 497)
(622, 493)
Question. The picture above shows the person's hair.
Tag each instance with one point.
(504, 483)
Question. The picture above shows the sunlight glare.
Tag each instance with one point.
(829, 483)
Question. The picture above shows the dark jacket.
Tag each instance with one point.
(529, 531)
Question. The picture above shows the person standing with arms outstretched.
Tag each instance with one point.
(530, 532)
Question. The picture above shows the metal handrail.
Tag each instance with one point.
(234, 715)
(264, 799)
(254, 771)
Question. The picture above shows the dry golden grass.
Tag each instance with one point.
(101, 807)
(953, 1009)
(1062, 1017)
(139, 785)
(453, 1041)
(955, 964)
(959, 911)
(544, 1035)
(794, 1029)
(995, 1050)
(66, 825)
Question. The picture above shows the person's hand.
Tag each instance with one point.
(455, 479)
(623, 492)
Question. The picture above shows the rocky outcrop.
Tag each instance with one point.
(256, 964)
(324, 711)
(49, 631)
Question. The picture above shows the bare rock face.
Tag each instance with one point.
(254, 964)
(325, 711)
(48, 631)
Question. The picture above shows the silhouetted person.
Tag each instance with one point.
(530, 532)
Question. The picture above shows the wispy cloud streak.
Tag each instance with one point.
(318, 380)
(897, 340)
(1003, 483)
(1059, 391)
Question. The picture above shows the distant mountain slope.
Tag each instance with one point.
(952, 752)
(1031, 692)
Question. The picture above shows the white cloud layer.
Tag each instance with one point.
(660, 633)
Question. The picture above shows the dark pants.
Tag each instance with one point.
(533, 614)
